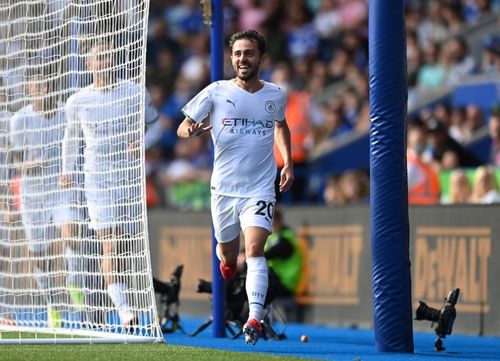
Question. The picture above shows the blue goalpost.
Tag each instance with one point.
(214, 16)
(391, 282)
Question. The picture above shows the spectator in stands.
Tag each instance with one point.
(184, 19)
(302, 40)
(169, 115)
(327, 23)
(350, 107)
(464, 122)
(459, 63)
(350, 187)
(474, 118)
(432, 74)
(164, 72)
(195, 68)
(460, 191)
(353, 186)
(441, 142)
(333, 126)
(457, 129)
(158, 42)
(430, 26)
(490, 61)
(252, 14)
(485, 189)
(473, 10)
(413, 55)
(423, 182)
(450, 160)
(494, 130)
(451, 18)
(442, 113)
(331, 193)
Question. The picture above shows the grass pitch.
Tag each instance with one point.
(127, 352)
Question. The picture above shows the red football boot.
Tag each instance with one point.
(252, 331)
(228, 271)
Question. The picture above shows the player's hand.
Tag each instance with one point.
(286, 178)
(197, 129)
(65, 180)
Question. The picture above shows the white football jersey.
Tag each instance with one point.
(243, 136)
(39, 140)
(110, 121)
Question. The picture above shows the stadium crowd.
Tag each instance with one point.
(318, 53)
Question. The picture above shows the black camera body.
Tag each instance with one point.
(444, 317)
(169, 295)
(235, 302)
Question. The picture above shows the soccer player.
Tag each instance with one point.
(4, 186)
(36, 135)
(107, 115)
(245, 116)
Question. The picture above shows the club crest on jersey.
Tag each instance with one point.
(270, 107)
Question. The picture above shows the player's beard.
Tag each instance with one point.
(252, 72)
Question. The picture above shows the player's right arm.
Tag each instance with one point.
(188, 129)
(195, 112)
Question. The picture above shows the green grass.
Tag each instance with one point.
(29, 335)
(126, 352)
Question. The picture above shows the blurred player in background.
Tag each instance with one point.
(107, 115)
(37, 132)
(4, 141)
(245, 115)
(4, 191)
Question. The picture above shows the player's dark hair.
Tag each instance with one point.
(252, 35)
(46, 75)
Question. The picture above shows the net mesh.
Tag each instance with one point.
(74, 256)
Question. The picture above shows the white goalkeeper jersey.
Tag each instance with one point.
(243, 136)
(110, 120)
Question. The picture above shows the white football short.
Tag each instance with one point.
(230, 215)
(114, 204)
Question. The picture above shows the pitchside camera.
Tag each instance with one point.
(444, 317)
(169, 292)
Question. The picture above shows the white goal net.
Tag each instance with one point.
(74, 255)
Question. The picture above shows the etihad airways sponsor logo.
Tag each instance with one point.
(247, 123)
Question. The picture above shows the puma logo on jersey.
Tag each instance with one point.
(231, 102)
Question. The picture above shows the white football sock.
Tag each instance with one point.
(256, 286)
(41, 279)
(117, 294)
(73, 262)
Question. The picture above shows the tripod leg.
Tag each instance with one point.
(238, 334)
(268, 329)
(438, 343)
(229, 328)
(202, 327)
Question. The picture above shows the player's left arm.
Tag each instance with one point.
(154, 128)
(284, 143)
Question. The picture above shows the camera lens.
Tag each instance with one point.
(425, 312)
